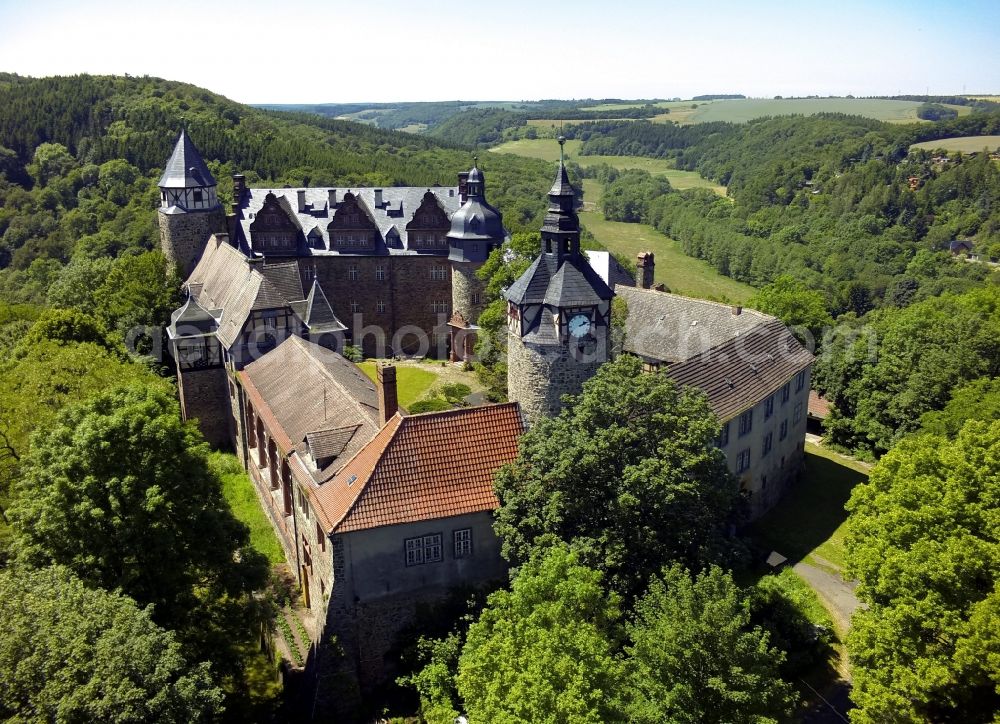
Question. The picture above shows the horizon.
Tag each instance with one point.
(409, 53)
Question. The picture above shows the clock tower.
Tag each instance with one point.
(558, 313)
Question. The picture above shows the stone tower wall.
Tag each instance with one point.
(183, 236)
(204, 396)
(539, 375)
(465, 286)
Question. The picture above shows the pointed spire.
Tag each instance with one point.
(185, 168)
(562, 186)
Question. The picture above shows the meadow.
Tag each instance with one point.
(681, 273)
(969, 144)
(548, 150)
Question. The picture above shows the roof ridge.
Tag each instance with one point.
(699, 300)
(458, 410)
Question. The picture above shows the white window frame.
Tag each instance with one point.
(352, 272)
(380, 273)
(422, 549)
(462, 540)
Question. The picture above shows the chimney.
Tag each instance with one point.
(239, 186)
(236, 208)
(463, 186)
(333, 198)
(737, 310)
(385, 388)
(378, 198)
(302, 200)
(644, 265)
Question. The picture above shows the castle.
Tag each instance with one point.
(378, 510)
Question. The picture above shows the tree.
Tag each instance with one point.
(71, 653)
(138, 292)
(922, 542)
(545, 650)
(628, 472)
(66, 326)
(696, 658)
(976, 400)
(119, 491)
(794, 304)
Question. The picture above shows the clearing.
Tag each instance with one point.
(969, 144)
(547, 149)
(681, 273)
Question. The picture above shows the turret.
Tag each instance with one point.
(558, 313)
(189, 205)
(476, 230)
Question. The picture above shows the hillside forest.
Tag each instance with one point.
(619, 607)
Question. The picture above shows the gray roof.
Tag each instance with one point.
(185, 168)
(318, 313)
(330, 443)
(561, 186)
(739, 373)
(192, 319)
(671, 328)
(228, 286)
(566, 282)
(398, 206)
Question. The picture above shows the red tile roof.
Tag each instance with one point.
(422, 467)
(819, 407)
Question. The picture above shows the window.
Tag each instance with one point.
(797, 414)
(355, 308)
(309, 274)
(785, 391)
(463, 543)
(783, 432)
(307, 558)
(800, 381)
(380, 306)
(197, 196)
(320, 536)
(743, 461)
(439, 273)
(352, 273)
(476, 297)
(380, 273)
(439, 307)
(724, 435)
(769, 408)
(303, 502)
(423, 549)
(746, 422)
(768, 442)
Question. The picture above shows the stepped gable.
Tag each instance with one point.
(306, 392)
(390, 217)
(670, 328)
(736, 374)
(185, 167)
(420, 467)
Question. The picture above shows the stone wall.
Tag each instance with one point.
(539, 375)
(467, 290)
(399, 305)
(183, 236)
(204, 395)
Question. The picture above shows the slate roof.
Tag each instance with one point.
(422, 467)
(330, 443)
(185, 168)
(670, 328)
(741, 372)
(229, 287)
(566, 283)
(301, 389)
(398, 206)
(192, 319)
(318, 313)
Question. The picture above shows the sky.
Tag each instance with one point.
(306, 51)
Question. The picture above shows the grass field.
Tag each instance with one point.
(741, 111)
(968, 144)
(548, 150)
(412, 383)
(681, 273)
(238, 490)
(809, 523)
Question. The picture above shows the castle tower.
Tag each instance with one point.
(558, 313)
(189, 206)
(476, 230)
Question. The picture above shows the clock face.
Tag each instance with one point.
(579, 325)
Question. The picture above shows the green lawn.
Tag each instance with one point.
(810, 519)
(969, 144)
(412, 383)
(544, 148)
(242, 498)
(681, 273)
